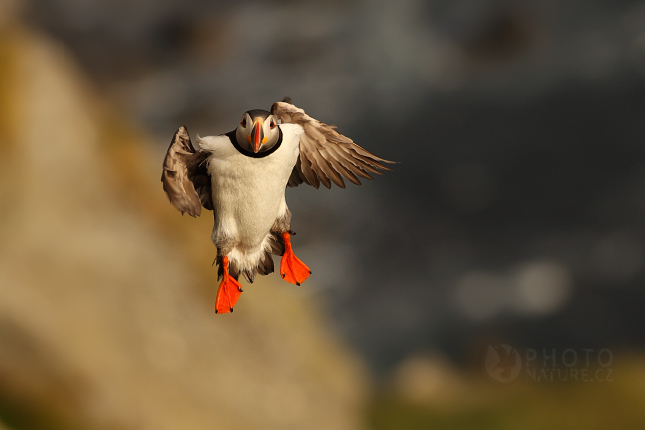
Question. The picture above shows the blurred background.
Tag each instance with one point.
(515, 217)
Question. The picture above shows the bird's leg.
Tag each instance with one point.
(229, 291)
(291, 268)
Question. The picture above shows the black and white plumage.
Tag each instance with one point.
(241, 176)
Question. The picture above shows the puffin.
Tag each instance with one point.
(242, 176)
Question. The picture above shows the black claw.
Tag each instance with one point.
(310, 272)
(283, 275)
(241, 290)
(231, 310)
(298, 283)
(215, 310)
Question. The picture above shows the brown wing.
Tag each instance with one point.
(185, 177)
(325, 155)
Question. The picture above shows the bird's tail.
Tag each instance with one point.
(264, 267)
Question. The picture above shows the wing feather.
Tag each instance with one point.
(351, 166)
(308, 169)
(296, 177)
(185, 177)
(332, 172)
(325, 155)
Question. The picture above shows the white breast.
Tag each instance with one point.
(248, 193)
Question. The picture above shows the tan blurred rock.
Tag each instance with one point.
(106, 292)
(428, 379)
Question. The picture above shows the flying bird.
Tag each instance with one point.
(241, 176)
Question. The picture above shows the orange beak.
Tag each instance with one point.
(257, 135)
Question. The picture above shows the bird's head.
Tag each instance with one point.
(258, 131)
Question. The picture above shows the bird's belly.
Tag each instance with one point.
(249, 196)
(248, 216)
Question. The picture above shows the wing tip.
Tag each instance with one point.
(389, 162)
(182, 132)
(192, 212)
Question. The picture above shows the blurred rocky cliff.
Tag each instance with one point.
(106, 292)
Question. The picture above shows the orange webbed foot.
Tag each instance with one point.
(228, 293)
(291, 268)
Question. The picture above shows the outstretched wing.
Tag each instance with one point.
(325, 155)
(185, 177)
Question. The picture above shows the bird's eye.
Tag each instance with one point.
(243, 122)
(272, 125)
